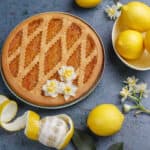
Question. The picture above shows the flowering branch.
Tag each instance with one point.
(135, 92)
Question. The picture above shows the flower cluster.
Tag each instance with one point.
(65, 87)
(135, 92)
(113, 12)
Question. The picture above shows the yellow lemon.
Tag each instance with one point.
(147, 41)
(136, 15)
(88, 3)
(129, 44)
(105, 120)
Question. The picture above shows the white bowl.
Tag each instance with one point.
(142, 63)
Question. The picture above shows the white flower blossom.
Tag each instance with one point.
(134, 92)
(67, 73)
(142, 88)
(68, 89)
(124, 93)
(51, 88)
(113, 11)
(131, 81)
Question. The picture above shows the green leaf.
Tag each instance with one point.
(117, 146)
(83, 141)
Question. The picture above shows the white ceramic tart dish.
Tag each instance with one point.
(39, 46)
(142, 63)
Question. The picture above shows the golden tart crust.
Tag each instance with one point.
(37, 48)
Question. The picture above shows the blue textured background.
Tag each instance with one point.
(135, 132)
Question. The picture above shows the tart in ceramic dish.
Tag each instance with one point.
(39, 46)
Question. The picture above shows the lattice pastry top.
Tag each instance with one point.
(36, 49)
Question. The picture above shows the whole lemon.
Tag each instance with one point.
(129, 44)
(105, 120)
(88, 3)
(136, 15)
(147, 41)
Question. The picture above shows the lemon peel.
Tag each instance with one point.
(60, 128)
(32, 125)
(16, 125)
(70, 132)
(28, 121)
(8, 110)
(3, 98)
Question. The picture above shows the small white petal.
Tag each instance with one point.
(66, 97)
(54, 95)
(44, 87)
(48, 81)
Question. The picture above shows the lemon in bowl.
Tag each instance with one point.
(129, 44)
(147, 41)
(142, 63)
(105, 120)
(136, 15)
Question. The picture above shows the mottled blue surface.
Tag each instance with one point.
(135, 132)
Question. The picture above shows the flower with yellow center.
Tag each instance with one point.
(67, 73)
(51, 88)
(68, 89)
(113, 11)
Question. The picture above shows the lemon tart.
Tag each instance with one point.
(38, 47)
